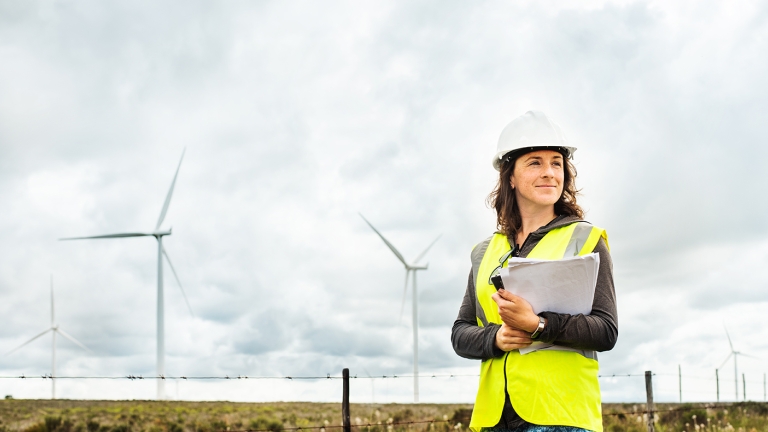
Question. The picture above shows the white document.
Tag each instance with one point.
(562, 286)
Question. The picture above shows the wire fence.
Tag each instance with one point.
(647, 412)
(261, 377)
(703, 388)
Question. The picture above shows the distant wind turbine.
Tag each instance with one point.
(54, 328)
(735, 355)
(409, 268)
(157, 234)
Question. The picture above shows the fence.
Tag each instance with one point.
(650, 409)
(697, 388)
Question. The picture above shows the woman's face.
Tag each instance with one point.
(538, 178)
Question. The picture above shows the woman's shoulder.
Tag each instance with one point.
(479, 249)
(487, 240)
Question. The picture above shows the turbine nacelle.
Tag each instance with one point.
(162, 233)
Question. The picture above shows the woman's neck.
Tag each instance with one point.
(533, 219)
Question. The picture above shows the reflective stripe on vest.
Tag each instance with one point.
(545, 387)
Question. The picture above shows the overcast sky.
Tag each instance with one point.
(296, 116)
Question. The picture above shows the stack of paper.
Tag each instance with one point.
(562, 286)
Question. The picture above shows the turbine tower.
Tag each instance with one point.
(735, 355)
(54, 328)
(158, 234)
(411, 268)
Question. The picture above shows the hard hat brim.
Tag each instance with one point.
(566, 151)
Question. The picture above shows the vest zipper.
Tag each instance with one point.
(516, 250)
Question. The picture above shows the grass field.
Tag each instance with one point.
(151, 416)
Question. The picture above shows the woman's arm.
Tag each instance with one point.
(597, 331)
(470, 340)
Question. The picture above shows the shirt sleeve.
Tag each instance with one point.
(597, 331)
(469, 339)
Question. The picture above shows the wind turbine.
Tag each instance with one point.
(158, 235)
(735, 355)
(54, 328)
(411, 268)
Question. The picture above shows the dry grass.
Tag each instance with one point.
(151, 416)
(700, 417)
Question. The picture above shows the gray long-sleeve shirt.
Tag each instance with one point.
(597, 331)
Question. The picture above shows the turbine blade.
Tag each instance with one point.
(73, 340)
(120, 235)
(421, 255)
(27, 342)
(389, 245)
(173, 270)
(170, 193)
(750, 356)
(405, 291)
(729, 337)
(726, 360)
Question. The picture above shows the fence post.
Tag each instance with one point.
(717, 380)
(345, 400)
(649, 401)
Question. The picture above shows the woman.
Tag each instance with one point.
(537, 217)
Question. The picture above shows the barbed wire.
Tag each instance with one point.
(227, 377)
(621, 375)
(260, 377)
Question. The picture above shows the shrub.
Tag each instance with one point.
(262, 423)
(402, 415)
(37, 427)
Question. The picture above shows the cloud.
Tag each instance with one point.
(297, 116)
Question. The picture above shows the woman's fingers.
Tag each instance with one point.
(515, 311)
(513, 332)
(513, 335)
(508, 338)
(509, 346)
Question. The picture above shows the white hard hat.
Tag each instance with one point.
(532, 130)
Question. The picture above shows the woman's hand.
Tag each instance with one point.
(508, 338)
(515, 311)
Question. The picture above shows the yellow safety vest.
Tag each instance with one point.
(557, 388)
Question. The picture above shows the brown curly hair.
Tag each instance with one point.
(502, 198)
